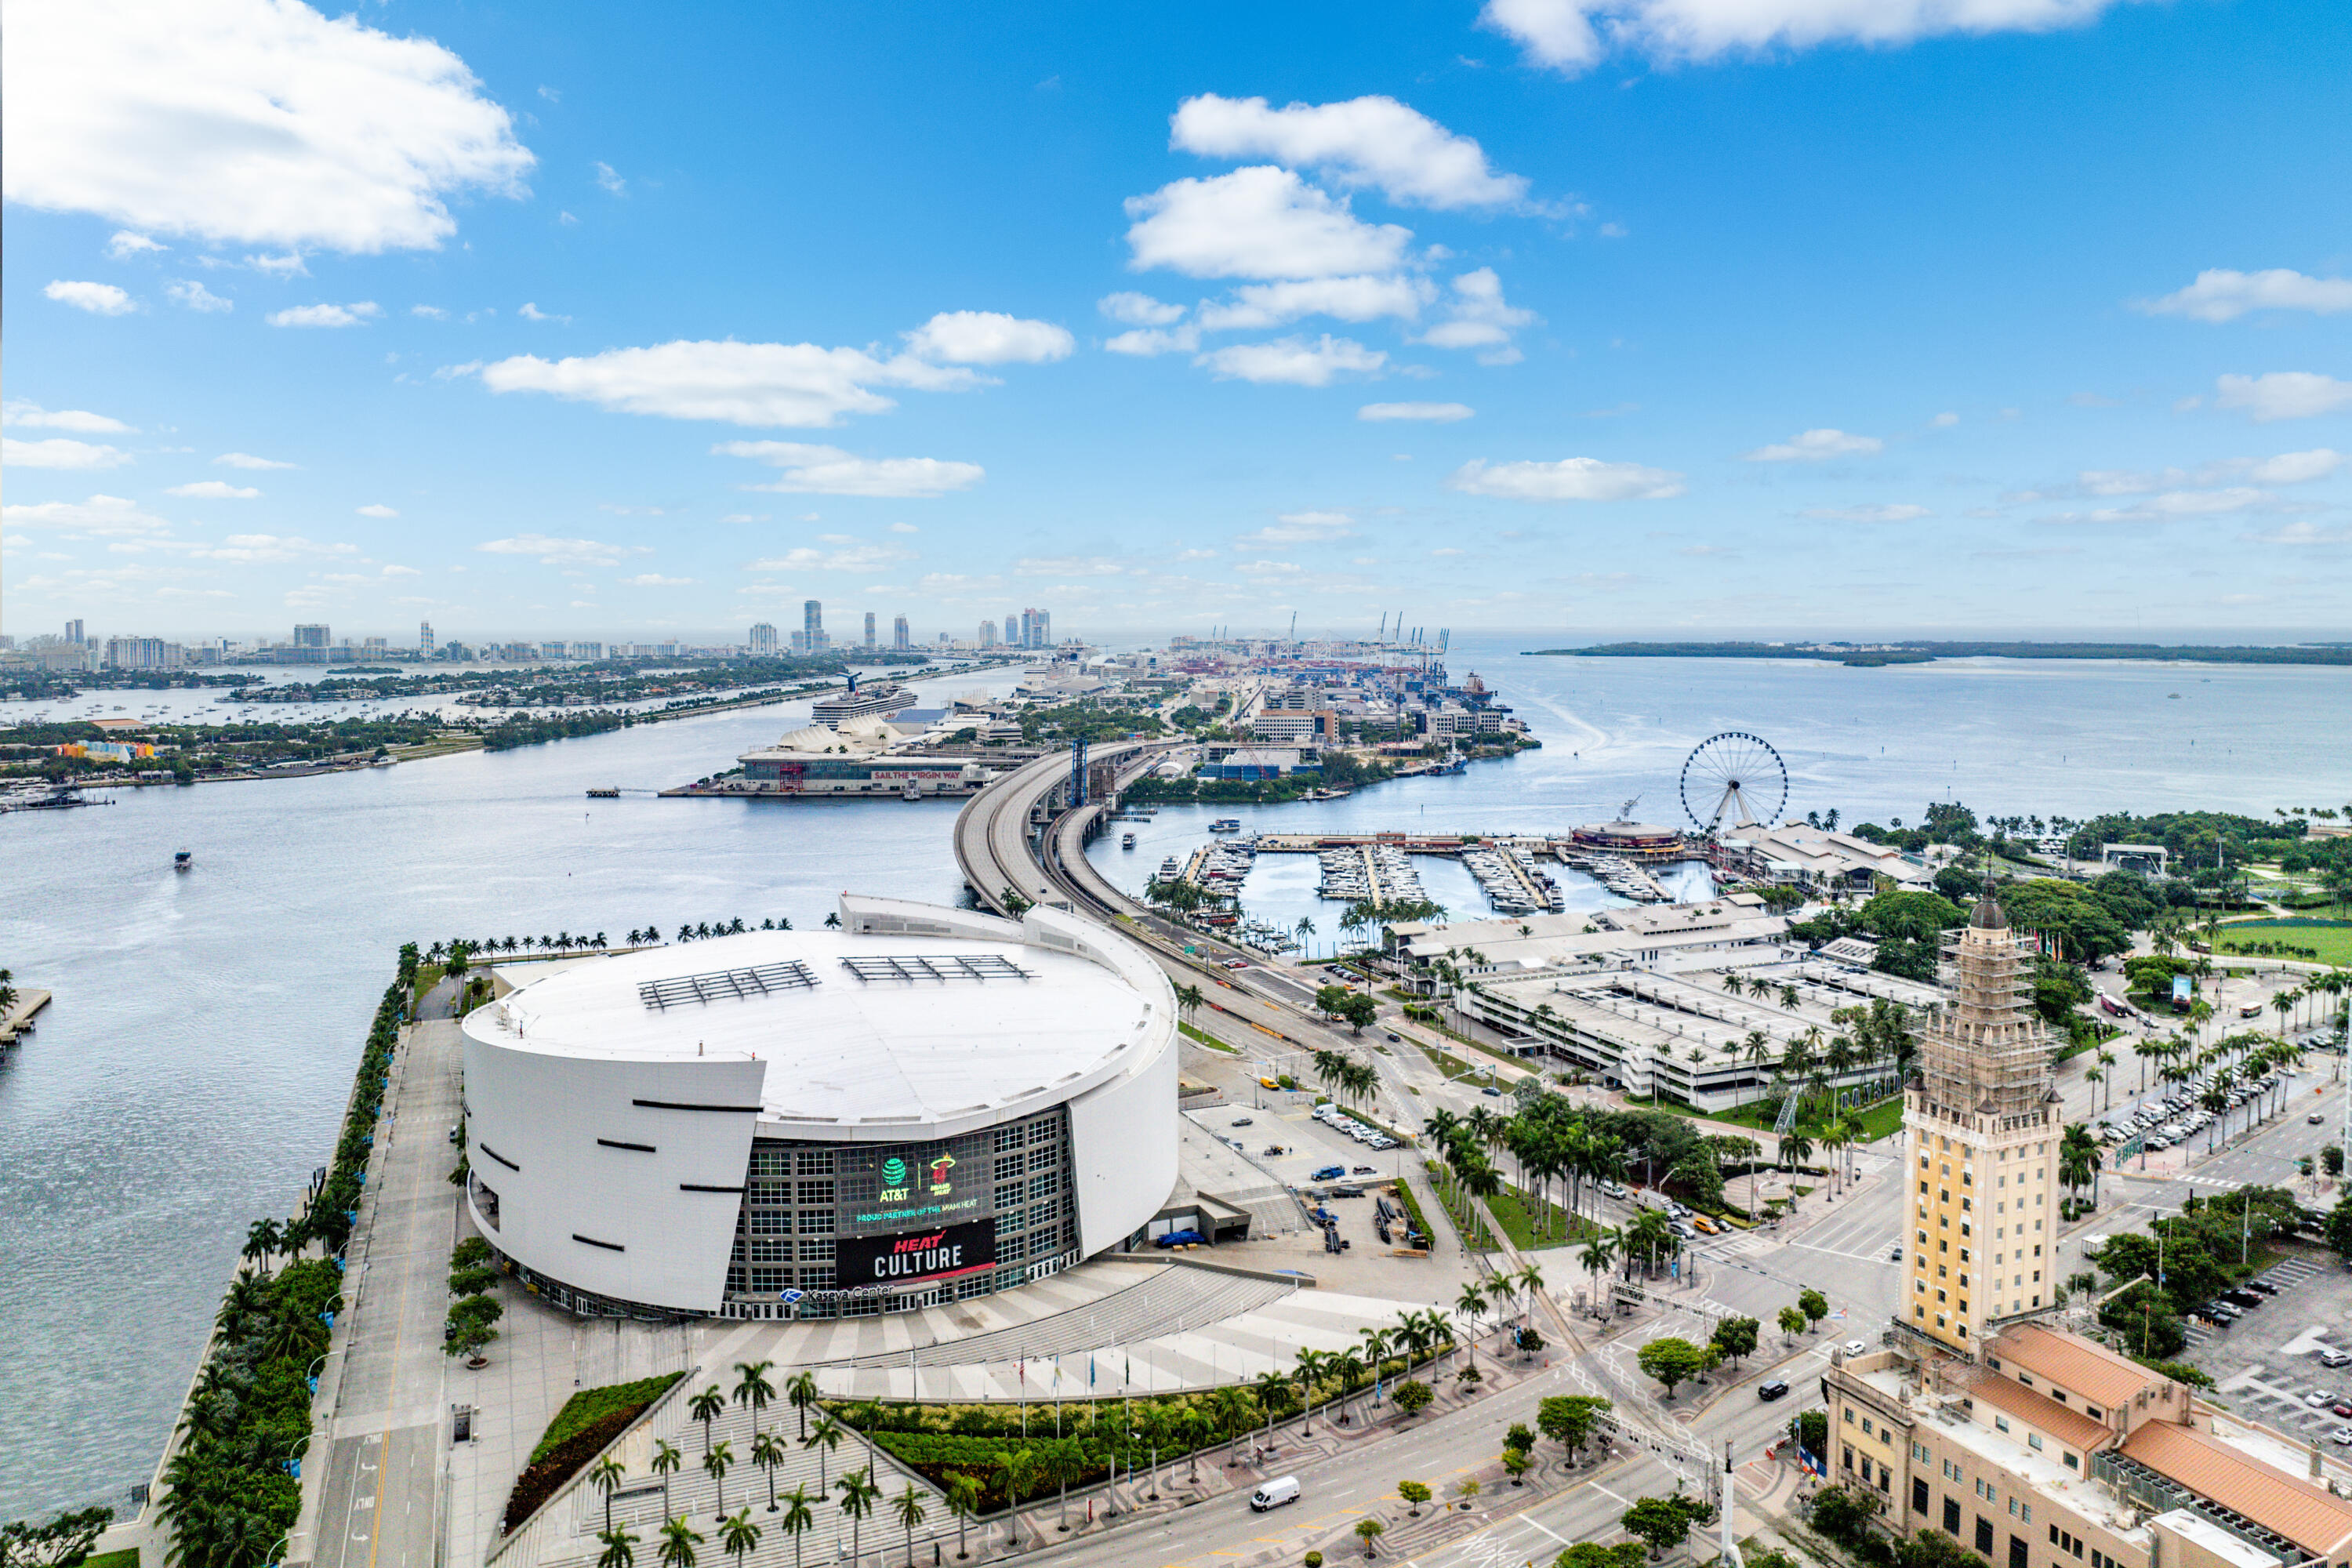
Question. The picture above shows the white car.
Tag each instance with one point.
(1856, 1347)
(2319, 1399)
(2341, 1435)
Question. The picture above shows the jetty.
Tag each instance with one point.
(18, 1018)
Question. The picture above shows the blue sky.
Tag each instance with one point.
(1698, 317)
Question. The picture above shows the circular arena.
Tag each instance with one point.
(926, 1105)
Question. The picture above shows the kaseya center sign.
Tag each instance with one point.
(908, 1257)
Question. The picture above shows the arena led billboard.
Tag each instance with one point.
(907, 1257)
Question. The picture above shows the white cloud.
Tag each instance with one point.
(1262, 569)
(32, 415)
(189, 294)
(859, 558)
(530, 312)
(829, 471)
(1570, 479)
(1069, 566)
(57, 452)
(126, 245)
(254, 121)
(988, 337)
(610, 178)
(377, 509)
(1436, 413)
(104, 515)
(1301, 528)
(553, 551)
(1294, 360)
(256, 548)
(97, 299)
(1361, 299)
(247, 461)
(2304, 533)
(430, 313)
(1144, 343)
(1370, 141)
(745, 517)
(1573, 36)
(1897, 511)
(654, 580)
(904, 528)
(742, 383)
(2284, 395)
(1478, 317)
(2222, 295)
(1258, 222)
(213, 490)
(1815, 446)
(1945, 421)
(287, 266)
(2295, 467)
(1134, 310)
(352, 315)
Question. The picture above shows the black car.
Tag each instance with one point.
(2242, 1296)
(2265, 1286)
(2221, 1312)
(1771, 1390)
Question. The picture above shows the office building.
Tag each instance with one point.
(988, 634)
(927, 1105)
(869, 631)
(763, 641)
(424, 643)
(812, 626)
(74, 632)
(1013, 631)
(900, 639)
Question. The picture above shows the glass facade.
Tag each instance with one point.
(801, 1198)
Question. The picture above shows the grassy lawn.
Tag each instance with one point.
(1214, 1043)
(1514, 1211)
(126, 1558)
(2333, 941)
(1879, 1120)
(1451, 1067)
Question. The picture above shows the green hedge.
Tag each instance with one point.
(590, 1405)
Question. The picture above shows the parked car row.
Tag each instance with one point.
(2181, 1116)
(1339, 1120)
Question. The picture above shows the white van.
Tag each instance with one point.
(1275, 1493)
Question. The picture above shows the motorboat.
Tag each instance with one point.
(1127, 841)
(183, 860)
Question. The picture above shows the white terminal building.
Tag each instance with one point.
(926, 1105)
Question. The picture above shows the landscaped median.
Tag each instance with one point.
(586, 1425)
(232, 1486)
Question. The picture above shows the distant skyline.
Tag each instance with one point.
(1564, 319)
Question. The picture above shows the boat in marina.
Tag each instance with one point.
(1170, 871)
(1227, 824)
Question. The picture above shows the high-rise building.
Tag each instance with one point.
(1981, 1128)
(142, 653)
(812, 626)
(763, 641)
(1013, 631)
(900, 637)
(73, 632)
(310, 636)
(424, 643)
(869, 631)
(988, 634)
(1036, 628)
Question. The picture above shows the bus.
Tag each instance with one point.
(2113, 1008)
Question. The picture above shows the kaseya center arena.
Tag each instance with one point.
(925, 1105)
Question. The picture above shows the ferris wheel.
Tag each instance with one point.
(1734, 774)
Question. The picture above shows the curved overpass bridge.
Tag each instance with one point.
(1016, 834)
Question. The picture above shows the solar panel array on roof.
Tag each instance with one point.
(949, 966)
(766, 980)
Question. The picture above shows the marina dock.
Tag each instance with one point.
(18, 1019)
(1378, 867)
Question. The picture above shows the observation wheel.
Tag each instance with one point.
(1735, 775)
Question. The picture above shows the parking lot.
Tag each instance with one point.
(2268, 1365)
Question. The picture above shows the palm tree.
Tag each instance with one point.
(1599, 1254)
(679, 1542)
(964, 1501)
(802, 1391)
(909, 1506)
(620, 1549)
(858, 1494)
(768, 1452)
(738, 1536)
(605, 1475)
(716, 1464)
(1017, 1468)
(706, 1408)
(664, 1464)
(753, 1389)
(825, 1439)
(261, 1239)
(1471, 1305)
(797, 1520)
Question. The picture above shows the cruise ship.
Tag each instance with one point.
(871, 701)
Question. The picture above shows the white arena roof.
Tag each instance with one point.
(923, 1028)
